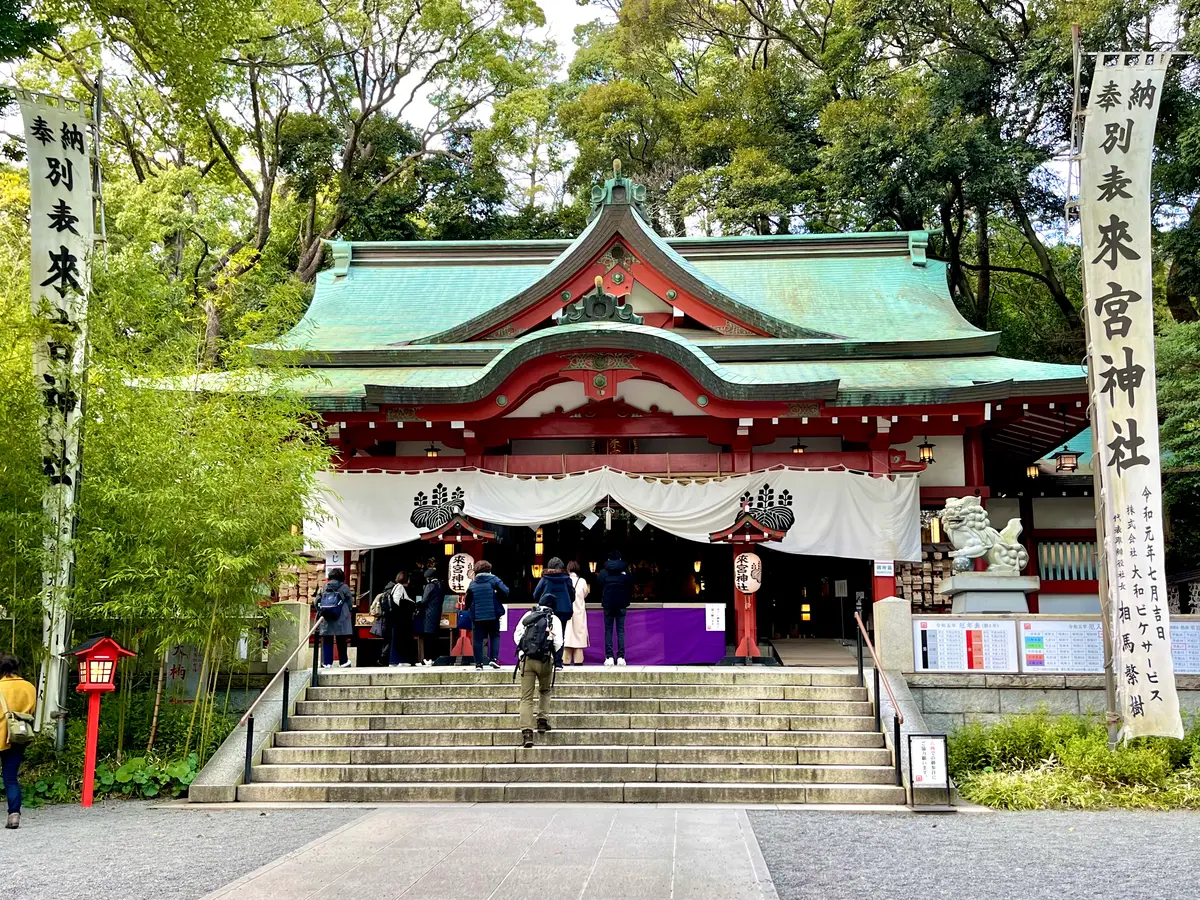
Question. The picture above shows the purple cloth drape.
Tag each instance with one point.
(670, 636)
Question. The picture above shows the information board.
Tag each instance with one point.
(927, 760)
(965, 645)
(1061, 646)
(1185, 647)
(714, 617)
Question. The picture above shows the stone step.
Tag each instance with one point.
(482, 755)
(535, 792)
(568, 690)
(576, 737)
(593, 705)
(735, 675)
(652, 721)
(570, 773)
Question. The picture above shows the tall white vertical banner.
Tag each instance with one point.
(1114, 203)
(58, 138)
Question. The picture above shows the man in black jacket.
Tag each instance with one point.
(616, 587)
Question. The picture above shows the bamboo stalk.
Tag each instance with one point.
(158, 692)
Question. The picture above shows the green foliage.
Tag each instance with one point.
(1039, 761)
(140, 778)
(19, 34)
(1179, 412)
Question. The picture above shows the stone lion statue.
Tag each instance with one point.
(966, 522)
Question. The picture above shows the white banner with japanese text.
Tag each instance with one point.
(1115, 162)
(58, 139)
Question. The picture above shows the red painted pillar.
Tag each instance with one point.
(973, 456)
(89, 752)
(883, 580)
(746, 613)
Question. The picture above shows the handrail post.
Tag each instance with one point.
(283, 718)
(249, 749)
(896, 743)
(878, 704)
(858, 608)
(316, 650)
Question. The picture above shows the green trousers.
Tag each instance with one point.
(541, 672)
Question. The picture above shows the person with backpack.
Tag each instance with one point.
(555, 590)
(395, 610)
(428, 617)
(335, 607)
(575, 635)
(538, 637)
(17, 700)
(616, 593)
(483, 599)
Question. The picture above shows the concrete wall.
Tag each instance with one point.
(947, 702)
(1068, 604)
(1063, 512)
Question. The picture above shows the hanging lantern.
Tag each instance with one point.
(1032, 470)
(539, 547)
(448, 548)
(431, 450)
(926, 451)
(536, 570)
(1066, 460)
(696, 567)
(799, 447)
(592, 566)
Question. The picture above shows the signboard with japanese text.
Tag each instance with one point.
(1185, 647)
(927, 761)
(965, 645)
(58, 140)
(747, 572)
(1114, 208)
(461, 571)
(714, 616)
(1061, 647)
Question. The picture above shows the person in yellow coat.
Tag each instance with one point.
(20, 697)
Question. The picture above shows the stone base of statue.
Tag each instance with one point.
(989, 592)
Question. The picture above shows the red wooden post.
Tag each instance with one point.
(883, 580)
(746, 615)
(89, 752)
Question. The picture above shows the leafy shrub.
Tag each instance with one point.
(139, 777)
(1039, 761)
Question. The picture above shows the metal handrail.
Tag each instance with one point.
(879, 669)
(282, 669)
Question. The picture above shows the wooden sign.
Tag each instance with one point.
(747, 573)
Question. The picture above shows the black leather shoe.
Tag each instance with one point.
(527, 738)
(543, 726)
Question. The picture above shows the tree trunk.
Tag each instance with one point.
(158, 692)
(983, 279)
(956, 275)
(212, 333)
(1057, 291)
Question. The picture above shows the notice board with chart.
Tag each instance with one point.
(1061, 646)
(964, 645)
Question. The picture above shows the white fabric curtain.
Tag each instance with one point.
(834, 513)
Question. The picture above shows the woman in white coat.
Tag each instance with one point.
(576, 635)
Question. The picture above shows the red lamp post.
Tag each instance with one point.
(98, 658)
(746, 530)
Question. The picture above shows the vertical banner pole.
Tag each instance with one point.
(62, 215)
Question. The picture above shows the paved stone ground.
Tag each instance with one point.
(980, 856)
(516, 852)
(132, 851)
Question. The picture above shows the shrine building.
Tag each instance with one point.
(687, 360)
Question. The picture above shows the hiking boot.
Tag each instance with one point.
(543, 726)
(526, 742)
(14, 820)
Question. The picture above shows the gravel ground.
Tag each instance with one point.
(980, 856)
(129, 851)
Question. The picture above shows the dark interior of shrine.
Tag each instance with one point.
(665, 569)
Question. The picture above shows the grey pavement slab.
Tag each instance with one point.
(498, 852)
(819, 855)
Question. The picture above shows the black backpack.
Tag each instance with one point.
(537, 641)
(330, 605)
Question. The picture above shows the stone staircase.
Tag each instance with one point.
(632, 734)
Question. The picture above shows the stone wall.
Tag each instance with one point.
(947, 702)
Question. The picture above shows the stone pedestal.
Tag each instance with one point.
(894, 633)
(985, 592)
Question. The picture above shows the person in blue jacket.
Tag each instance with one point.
(615, 586)
(483, 599)
(556, 591)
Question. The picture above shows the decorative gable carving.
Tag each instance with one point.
(598, 305)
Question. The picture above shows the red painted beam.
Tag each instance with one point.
(1086, 586)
